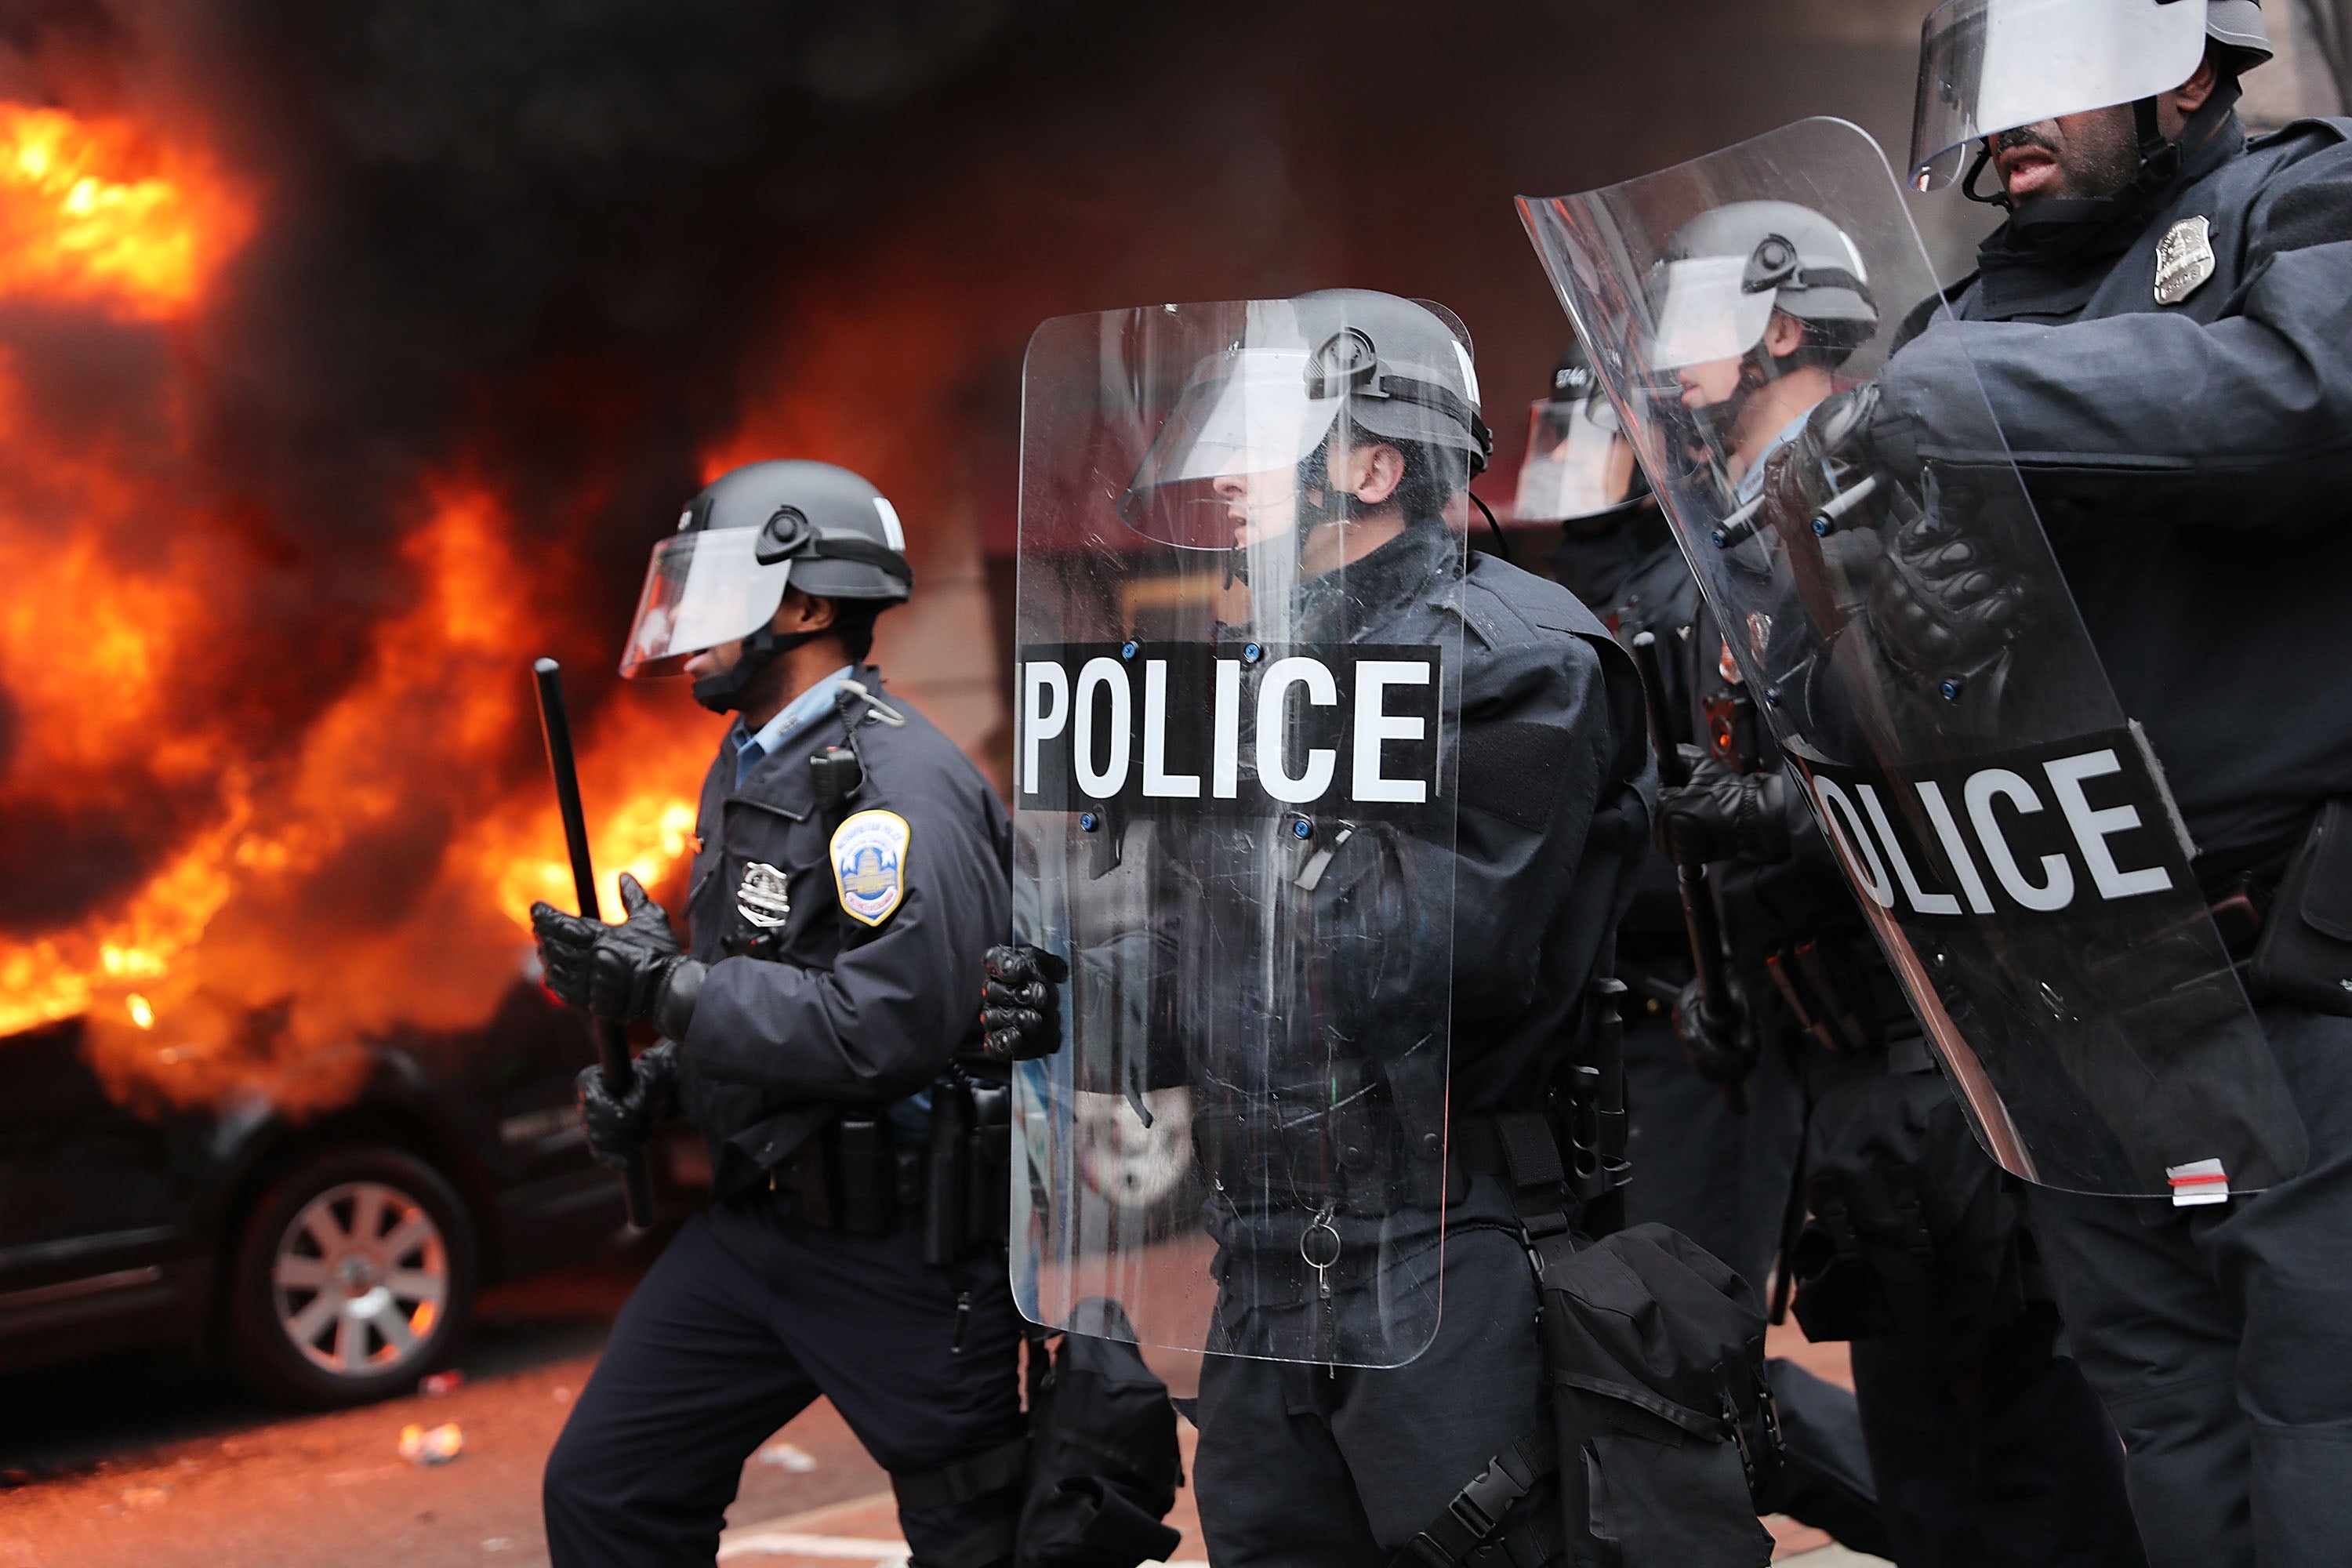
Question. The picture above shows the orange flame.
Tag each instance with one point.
(247, 920)
(90, 212)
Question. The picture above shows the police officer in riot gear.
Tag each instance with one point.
(850, 870)
(1985, 1444)
(1714, 1124)
(1302, 1463)
(2163, 327)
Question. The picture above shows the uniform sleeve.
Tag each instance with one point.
(1539, 744)
(883, 1020)
(2243, 422)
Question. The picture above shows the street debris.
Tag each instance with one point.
(788, 1457)
(433, 1446)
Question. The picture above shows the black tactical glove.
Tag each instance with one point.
(1720, 1050)
(619, 1125)
(1722, 816)
(1021, 1002)
(618, 972)
(1942, 605)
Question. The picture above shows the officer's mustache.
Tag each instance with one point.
(2022, 136)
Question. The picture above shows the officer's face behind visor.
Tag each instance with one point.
(1991, 66)
(1579, 464)
(703, 590)
(1224, 469)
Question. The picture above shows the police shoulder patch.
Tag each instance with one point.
(870, 865)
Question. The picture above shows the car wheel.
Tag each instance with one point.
(353, 1277)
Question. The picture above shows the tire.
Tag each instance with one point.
(353, 1277)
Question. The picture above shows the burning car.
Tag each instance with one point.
(329, 1254)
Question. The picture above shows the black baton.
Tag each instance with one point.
(611, 1036)
(1700, 923)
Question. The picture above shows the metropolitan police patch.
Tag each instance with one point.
(870, 865)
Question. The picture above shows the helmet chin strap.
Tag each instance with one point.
(724, 692)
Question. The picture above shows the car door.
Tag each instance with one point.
(96, 1201)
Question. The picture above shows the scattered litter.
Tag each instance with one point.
(435, 1445)
(146, 1497)
(442, 1382)
(563, 1392)
(790, 1456)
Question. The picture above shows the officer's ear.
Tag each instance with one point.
(1783, 336)
(804, 612)
(1374, 472)
(2189, 96)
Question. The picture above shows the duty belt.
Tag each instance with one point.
(855, 1178)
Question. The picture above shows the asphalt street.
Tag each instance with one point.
(154, 1462)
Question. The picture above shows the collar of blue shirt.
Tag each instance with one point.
(797, 715)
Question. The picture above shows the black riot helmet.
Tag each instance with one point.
(1579, 470)
(1348, 364)
(1991, 66)
(755, 531)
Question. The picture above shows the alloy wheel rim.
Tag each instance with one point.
(360, 1279)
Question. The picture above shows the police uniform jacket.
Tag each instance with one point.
(1554, 779)
(1632, 576)
(872, 983)
(2190, 463)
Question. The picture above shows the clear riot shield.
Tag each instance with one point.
(1921, 663)
(1233, 815)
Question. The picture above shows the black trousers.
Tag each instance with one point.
(2221, 1337)
(1719, 1176)
(1722, 1178)
(746, 1318)
(2003, 1460)
(1307, 1466)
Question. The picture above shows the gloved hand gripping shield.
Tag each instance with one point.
(1239, 651)
(1889, 594)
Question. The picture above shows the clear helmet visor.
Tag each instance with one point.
(1578, 462)
(1245, 413)
(702, 589)
(1705, 311)
(1990, 66)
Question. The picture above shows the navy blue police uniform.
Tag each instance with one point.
(1302, 1464)
(2177, 389)
(1984, 1444)
(1719, 1175)
(816, 1052)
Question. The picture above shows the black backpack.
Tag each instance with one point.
(1103, 1461)
(1654, 1350)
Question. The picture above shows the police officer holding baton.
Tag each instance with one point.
(850, 870)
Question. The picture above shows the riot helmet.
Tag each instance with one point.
(1580, 469)
(1991, 66)
(1723, 279)
(753, 531)
(1348, 366)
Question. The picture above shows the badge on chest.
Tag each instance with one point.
(760, 898)
(870, 865)
(2184, 260)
